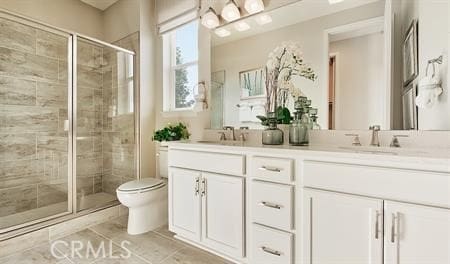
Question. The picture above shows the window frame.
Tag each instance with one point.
(172, 67)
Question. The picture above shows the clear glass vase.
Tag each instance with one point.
(294, 131)
(304, 127)
(272, 135)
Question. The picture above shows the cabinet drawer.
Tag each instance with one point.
(272, 204)
(271, 246)
(422, 187)
(222, 163)
(273, 169)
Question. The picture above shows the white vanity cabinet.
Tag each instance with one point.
(348, 228)
(223, 213)
(416, 234)
(342, 228)
(272, 210)
(185, 203)
(206, 207)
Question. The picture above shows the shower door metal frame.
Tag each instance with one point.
(77, 36)
(69, 37)
(72, 38)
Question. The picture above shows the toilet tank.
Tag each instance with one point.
(161, 157)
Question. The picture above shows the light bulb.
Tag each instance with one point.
(263, 19)
(210, 19)
(254, 6)
(221, 32)
(230, 12)
(242, 26)
(332, 2)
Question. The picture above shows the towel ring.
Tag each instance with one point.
(433, 62)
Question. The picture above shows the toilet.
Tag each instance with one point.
(146, 199)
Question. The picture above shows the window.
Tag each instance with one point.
(182, 71)
(125, 77)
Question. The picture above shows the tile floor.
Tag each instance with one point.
(109, 243)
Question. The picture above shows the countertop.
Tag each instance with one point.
(418, 159)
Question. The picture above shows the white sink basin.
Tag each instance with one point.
(370, 150)
(224, 142)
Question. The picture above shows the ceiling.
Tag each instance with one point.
(291, 14)
(100, 4)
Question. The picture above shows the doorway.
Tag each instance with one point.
(358, 89)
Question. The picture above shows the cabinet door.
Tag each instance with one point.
(184, 203)
(342, 228)
(416, 234)
(223, 213)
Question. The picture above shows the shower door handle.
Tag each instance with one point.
(66, 125)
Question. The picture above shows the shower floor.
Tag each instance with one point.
(87, 202)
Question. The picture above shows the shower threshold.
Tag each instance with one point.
(87, 202)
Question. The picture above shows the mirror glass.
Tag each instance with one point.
(375, 62)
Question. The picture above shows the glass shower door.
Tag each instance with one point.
(34, 123)
(105, 123)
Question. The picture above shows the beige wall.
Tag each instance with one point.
(148, 88)
(433, 42)
(72, 15)
(121, 19)
(360, 81)
(252, 53)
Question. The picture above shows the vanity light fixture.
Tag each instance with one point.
(210, 19)
(241, 26)
(221, 32)
(254, 6)
(230, 11)
(332, 2)
(263, 19)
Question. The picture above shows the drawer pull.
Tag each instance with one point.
(271, 205)
(197, 186)
(267, 168)
(377, 224)
(393, 225)
(203, 187)
(271, 251)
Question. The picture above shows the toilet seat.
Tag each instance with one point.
(142, 185)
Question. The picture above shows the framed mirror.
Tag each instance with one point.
(366, 53)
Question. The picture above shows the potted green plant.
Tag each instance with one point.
(171, 133)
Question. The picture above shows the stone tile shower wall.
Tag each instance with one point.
(33, 107)
(89, 167)
(33, 110)
(119, 161)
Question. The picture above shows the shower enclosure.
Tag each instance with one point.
(67, 122)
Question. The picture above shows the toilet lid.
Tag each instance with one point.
(140, 184)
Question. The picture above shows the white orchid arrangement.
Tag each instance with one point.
(287, 60)
(284, 62)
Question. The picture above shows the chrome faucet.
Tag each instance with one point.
(233, 136)
(395, 143)
(356, 141)
(222, 135)
(375, 141)
(243, 135)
